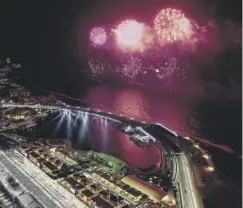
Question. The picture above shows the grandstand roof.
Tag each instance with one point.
(148, 189)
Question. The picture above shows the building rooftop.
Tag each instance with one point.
(153, 192)
(101, 202)
(28, 201)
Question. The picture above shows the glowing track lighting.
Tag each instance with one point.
(206, 156)
(210, 168)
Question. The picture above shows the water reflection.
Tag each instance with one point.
(216, 123)
(87, 132)
(109, 140)
(141, 105)
(202, 119)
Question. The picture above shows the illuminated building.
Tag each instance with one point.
(154, 193)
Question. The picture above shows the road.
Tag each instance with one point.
(5, 200)
(186, 182)
(27, 183)
(56, 192)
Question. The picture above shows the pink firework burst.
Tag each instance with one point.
(98, 36)
(129, 33)
(171, 25)
(131, 67)
(99, 68)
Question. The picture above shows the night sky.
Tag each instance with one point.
(49, 37)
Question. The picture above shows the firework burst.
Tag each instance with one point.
(98, 36)
(131, 67)
(171, 25)
(170, 67)
(129, 33)
(165, 69)
(99, 68)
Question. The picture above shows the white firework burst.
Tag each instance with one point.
(99, 68)
(171, 25)
(168, 68)
(131, 67)
(98, 36)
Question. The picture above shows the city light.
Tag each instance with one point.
(210, 168)
(67, 115)
(206, 156)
